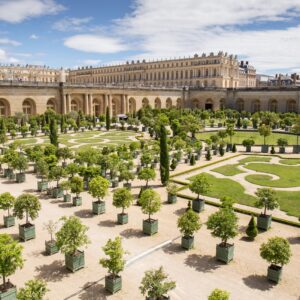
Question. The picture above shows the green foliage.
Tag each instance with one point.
(227, 202)
(7, 201)
(199, 185)
(189, 223)
(64, 153)
(282, 142)
(10, 256)
(155, 285)
(122, 198)
(251, 230)
(76, 185)
(53, 133)
(98, 187)
(223, 224)
(248, 142)
(72, 169)
(264, 130)
(173, 164)
(107, 118)
(172, 188)
(51, 228)
(34, 289)
(115, 263)
(267, 199)
(65, 185)
(218, 294)
(20, 162)
(147, 174)
(72, 235)
(272, 150)
(208, 155)
(57, 173)
(276, 251)
(234, 148)
(42, 168)
(150, 202)
(27, 204)
(192, 160)
(164, 156)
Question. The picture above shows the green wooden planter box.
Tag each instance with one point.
(67, 197)
(225, 254)
(12, 176)
(77, 201)
(265, 148)
(187, 242)
(8, 172)
(248, 148)
(98, 207)
(264, 222)
(127, 185)
(161, 298)
(9, 221)
(10, 294)
(57, 192)
(20, 177)
(122, 219)
(26, 233)
(75, 262)
(296, 149)
(42, 186)
(274, 273)
(114, 183)
(172, 199)
(198, 205)
(282, 150)
(51, 247)
(151, 227)
(113, 284)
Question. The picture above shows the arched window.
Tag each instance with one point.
(273, 106)
(169, 103)
(157, 103)
(291, 106)
(145, 102)
(131, 105)
(27, 107)
(51, 104)
(3, 108)
(178, 103)
(240, 105)
(256, 106)
(74, 105)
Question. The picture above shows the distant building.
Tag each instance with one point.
(285, 80)
(263, 80)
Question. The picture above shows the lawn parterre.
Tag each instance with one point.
(290, 162)
(228, 170)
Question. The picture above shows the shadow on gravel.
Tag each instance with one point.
(132, 233)
(54, 272)
(202, 263)
(258, 282)
(108, 223)
(173, 248)
(84, 213)
(294, 240)
(93, 292)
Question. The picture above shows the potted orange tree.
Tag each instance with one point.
(122, 198)
(199, 185)
(7, 202)
(50, 246)
(76, 184)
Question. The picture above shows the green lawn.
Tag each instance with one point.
(228, 170)
(255, 158)
(289, 202)
(226, 187)
(289, 175)
(240, 136)
(290, 162)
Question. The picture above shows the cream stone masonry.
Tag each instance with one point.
(35, 98)
(214, 70)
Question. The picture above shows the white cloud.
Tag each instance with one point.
(5, 58)
(9, 42)
(91, 62)
(71, 24)
(34, 37)
(16, 11)
(95, 43)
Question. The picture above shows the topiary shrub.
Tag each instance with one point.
(252, 230)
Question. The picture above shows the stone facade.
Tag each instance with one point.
(36, 98)
(214, 70)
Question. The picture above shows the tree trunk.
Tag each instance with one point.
(26, 217)
(265, 211)
(4, 279)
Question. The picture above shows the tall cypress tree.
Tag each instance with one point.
(53, 132)
(107, 118)
(62, 123)
(164, 156)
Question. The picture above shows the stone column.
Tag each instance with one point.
(109, 103)
(105, 103)
(68, 103)
(86, 99)
(64, 104)
(126, 104)
(123, 104)
(90, 105)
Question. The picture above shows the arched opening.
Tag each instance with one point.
(4, 107)
(209, 105)
(145, 102)
(273, 105)
(132, 105)
(97, 107)
(157, 103)
(51, 104)
(169, 103)
(74, 105)
(178, 103)
(28, 107)
(291, 106)
(240, 105)
(115, 107)
(256, 106)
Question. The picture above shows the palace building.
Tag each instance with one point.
(214, 70)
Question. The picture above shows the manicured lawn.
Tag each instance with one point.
(289, 202)
(255, 158)
(226, 187)
(28, 142)
(240, 136)
(289, 175)
(228, 170)
(290, 162)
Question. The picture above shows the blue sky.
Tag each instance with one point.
(95, 32)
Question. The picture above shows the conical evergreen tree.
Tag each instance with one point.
(107, 118)
(251, 230)
(53, 133)
(62, 123)
(164, 156)
(192, 160)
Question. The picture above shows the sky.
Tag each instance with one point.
(69, 33)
